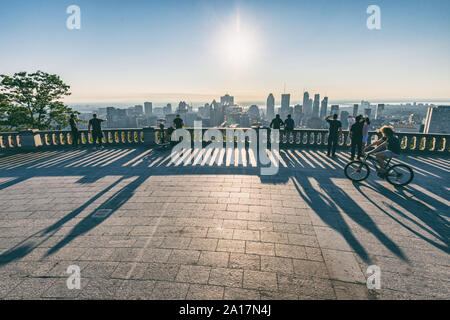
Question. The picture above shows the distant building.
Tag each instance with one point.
(324, 108)
(379, 111)
(334, 109)
(298, 114)
(367, 112)
(227, 100)
(138, 110)
(148, 108)
(344, 116)
(315, 110)
(437, 120)
(285, 103)
(168, 109)
(355, 109)
(306, 107)
(270, 107)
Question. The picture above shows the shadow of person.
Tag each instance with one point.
(114, 203)
(434, 224)
(329, 213)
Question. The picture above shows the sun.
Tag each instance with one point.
(237, 43)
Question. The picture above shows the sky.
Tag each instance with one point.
(198, 50)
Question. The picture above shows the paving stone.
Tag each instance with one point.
(245, 261)
(231, 245)
(259, 248)
(204, 292)
(226, 277)
(260, 280)
(214, 259)
(193, 274)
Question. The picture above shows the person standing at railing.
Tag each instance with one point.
(356, 135)
(178, 122)
(334, 133)
(289, 125)
(74, 128)
(276, 122)
(96, 125)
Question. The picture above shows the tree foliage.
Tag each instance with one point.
(33, 101)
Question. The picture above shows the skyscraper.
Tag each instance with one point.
(437, 120)
(285, 102)
(138, 110)
(379, 111)
(270, 111)
(334, 109)
(306, 110)
(355, 109)
(148, 108)
(227, 100)
(367, 112)
(315, 111)
(324, 107)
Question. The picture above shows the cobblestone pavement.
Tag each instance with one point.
(200, 231)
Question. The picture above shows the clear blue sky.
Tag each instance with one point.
(167, 50)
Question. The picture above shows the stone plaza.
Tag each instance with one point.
(140, 226)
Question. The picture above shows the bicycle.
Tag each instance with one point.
(397, 174)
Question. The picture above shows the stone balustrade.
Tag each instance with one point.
(300, 138)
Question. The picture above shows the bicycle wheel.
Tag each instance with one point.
(399, 175)
(357, 170)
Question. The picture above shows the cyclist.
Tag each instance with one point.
(386, 147)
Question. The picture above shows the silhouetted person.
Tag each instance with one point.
(277, 122)
(356, 134)
(178, 122)
(333, 134)
(74, 128)
(96, 124)
(289, 125)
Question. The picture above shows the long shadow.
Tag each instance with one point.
(329, 213)
(26, 246)
(437, 227)
(91, 221)
(12, 182)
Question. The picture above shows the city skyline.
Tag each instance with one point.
(151, 51)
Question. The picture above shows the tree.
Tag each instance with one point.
(32, 101)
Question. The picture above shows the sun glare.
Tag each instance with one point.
(237, 44)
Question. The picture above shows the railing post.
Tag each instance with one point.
(30, 139)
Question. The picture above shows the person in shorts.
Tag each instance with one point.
(385, 148)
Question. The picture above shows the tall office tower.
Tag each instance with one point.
(355, 109)
(306, 110)
(285, 102)
(138, 110)
(324, 107)
(379, 111)
(298, 114)
(148, 106)
(315, 111)
(270, 111)
(227, 100)
(367, 112)
(437, 120)
(168, 108)
(344, 116)
(334, 109)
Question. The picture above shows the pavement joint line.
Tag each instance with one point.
(141, 253)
